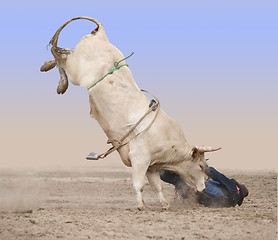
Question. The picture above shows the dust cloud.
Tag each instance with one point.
(20, 193)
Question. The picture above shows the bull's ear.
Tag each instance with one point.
(194, 153)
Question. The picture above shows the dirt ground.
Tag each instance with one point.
(101, 204)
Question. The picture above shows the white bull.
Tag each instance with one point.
(117, 104)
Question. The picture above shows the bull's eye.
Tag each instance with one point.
(201, 167)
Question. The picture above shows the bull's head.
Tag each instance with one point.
(198, 166)
(61, 55)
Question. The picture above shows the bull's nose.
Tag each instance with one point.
(201, 191)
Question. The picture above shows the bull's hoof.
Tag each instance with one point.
(61, 89)
(166, 207)
(143, 207)
(48, 65)
(140, 208)
(63, 85)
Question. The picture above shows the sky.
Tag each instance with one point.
(212, 64)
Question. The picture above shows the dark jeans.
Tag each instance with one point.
(220, 191)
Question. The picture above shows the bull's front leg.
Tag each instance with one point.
(155, 181)
(139, 169)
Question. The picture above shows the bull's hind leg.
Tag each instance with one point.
(155, 181)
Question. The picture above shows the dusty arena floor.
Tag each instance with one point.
(101, 204)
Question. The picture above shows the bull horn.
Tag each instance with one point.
(57, 51)
(207, 149)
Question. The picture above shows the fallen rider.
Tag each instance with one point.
(220, 191)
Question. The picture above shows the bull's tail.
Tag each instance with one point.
(58, 52)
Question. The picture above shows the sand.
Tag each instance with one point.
(101, 204)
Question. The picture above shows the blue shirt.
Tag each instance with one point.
(216, 189)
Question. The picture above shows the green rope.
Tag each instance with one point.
(116, 67)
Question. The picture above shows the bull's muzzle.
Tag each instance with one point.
(201, 188)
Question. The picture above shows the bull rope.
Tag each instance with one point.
(120, 143)
(116, 67)
(154, 107)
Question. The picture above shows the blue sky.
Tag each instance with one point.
(213, 64)
(214, 42)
